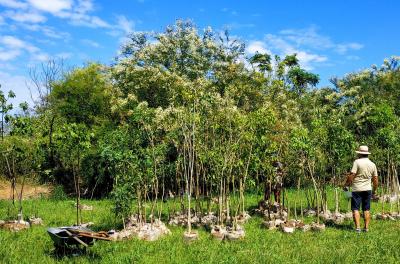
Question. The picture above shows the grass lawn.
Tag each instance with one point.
(336, 245)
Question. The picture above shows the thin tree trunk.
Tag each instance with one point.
(77, 196)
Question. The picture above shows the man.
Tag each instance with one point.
(276, 184)
(363, 171)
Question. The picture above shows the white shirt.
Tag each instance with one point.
(364, 169)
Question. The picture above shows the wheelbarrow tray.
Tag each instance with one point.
(63, 238)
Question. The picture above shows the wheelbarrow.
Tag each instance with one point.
(75, 236)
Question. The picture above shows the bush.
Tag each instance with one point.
(58, 194)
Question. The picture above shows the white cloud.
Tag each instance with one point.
(308, 59)
(352, 57)
(30, 13)
(64, 55)
(47, 42)
(309, 37)
(85, 6)
(17, 83)
(283, 47)
(40, 56)
(33, 11)
(76, 12)
(98, 22)
(307, 43)
(47, 30)
(79, 19)
(278, 43)
(12, 47)
(123, 28)
(126, 25)
(231, 11)
(275, 44)
(7, 66)
(12, 42)
(24, 16)
(236, 25)
(78, 15)
(13, 4)
(18, 44)
(256, 46)
(9, 54)
(91, 43)
(343, 48)
(53, 6)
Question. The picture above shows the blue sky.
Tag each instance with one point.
(331, 38)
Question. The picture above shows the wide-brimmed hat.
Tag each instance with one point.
(363, 150)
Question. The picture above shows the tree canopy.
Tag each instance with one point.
(185, 108)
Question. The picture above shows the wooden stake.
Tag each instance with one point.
(336, 201)
(301, 209)
(383, 200)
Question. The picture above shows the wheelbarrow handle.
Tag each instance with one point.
(76, 238)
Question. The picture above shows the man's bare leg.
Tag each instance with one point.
(367, 218)
(356, 217)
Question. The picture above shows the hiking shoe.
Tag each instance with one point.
(358, 230)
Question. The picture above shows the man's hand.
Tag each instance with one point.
(375, 183)
(374, 188)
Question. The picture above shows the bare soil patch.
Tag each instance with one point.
(30, 190)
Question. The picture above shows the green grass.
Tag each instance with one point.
(335, 245)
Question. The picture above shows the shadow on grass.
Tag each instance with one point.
(253, 210)
(344, 227)
(60, 253)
